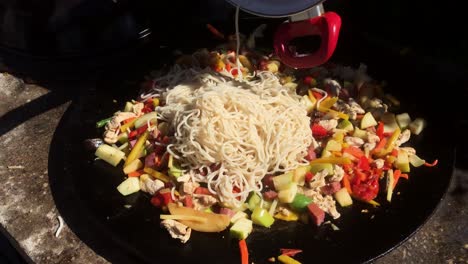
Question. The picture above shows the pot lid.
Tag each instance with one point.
(275, 8)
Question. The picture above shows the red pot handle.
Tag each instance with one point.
(327, 26)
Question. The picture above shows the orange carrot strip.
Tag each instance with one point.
(215, 31)
(431, 164)
(354, 151)
(137, 173)
(346, 183)
(396, 177)
(244, 252)
(380, 146)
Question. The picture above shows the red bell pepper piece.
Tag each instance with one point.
(363, 163)
(138, 131)
(202, 190)
(188, 201)
(319, 131)
(380, 130)
(290, 251)
(309, 176)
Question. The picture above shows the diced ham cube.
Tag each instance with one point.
(316, 214)
(331, 188)
(270, 195)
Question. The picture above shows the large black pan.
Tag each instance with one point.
(85, 194)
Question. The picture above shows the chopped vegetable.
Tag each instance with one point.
(183, 217)
(109, 154)
(129, 186)
(241, 228)
(261, 217)
(287, 259)
(136, 150)
(244, 252)
(343, 197)
(103, 122)
(300, 202)
(214, 222)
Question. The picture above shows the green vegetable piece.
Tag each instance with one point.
(314, 168)
(103, 122)
(300, 202)
(109, 154)
(254, 201)
(261, 217)
(241, 228)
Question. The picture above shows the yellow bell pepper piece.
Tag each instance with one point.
(312, 97)
(291, 217)
(130, 124)
(136, 150)
(333, 160)
(287, 260)
(155, 102)
(327, 103)
(391, 141)
(156, 174)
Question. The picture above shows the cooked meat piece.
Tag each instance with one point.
(284, 211)
(372, 138)
(177, 230)
(111, 136)
(403, 138)
(316, 214)
(203, 201)
(137, 108)
(189, 187)
(330, 188)
(329, 125)
(338, 175)
(327, 203)
(354, 141)
(369, 146)
(318, 180)
(121, 116)
(378, 163)
(151, 186)
(270, 195)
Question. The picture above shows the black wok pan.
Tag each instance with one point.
(85, 194)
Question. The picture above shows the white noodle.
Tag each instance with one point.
(250, 129)
(59, 228)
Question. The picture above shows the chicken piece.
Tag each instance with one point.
(329, 124)
(318, 180)
(137, 108)
(189, 187)
(121, 116)
(284, 211)
(203, 201)
(338, 175)
(409, 150)
(372, 138)
(150, 186)
(111, 136)
(327, 204)
(403, 138)
(378, 163)
(177, 230)
(354, 141)
(369, 146)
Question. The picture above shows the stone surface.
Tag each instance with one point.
(28, 213)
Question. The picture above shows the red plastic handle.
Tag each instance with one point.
(327, 26)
